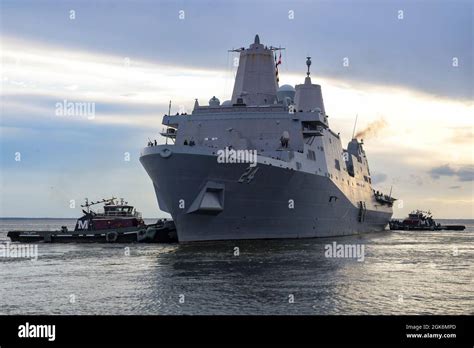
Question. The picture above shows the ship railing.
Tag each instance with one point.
(169, 132)
(384, 199)
(118, 214)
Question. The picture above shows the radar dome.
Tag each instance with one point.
(286, 88)
(227, 103)
(286, 91)
(213, 102)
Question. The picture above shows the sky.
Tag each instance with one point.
(410, 69)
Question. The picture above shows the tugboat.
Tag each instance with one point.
(422, 221)
(118, 222)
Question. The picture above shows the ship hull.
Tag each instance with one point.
(208, 202)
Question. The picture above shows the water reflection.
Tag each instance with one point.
(402, 273)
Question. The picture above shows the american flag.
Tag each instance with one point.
(276, 66)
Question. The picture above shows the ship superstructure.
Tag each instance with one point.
(264, 164)
(115, 215)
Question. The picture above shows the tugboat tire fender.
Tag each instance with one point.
(111, 237)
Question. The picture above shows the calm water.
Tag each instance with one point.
(403, 273)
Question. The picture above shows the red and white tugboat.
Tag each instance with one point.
(117, 222)
(422, 221)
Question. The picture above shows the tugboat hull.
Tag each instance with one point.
(101, 236)
(163, 231)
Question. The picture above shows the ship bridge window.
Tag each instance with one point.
(337, 164)
(311, 155)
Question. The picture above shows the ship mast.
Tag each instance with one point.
(251, 88)
(167, 124)
(355, 124)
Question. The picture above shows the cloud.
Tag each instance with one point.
(445, 170)
(422, 45)
(462, 136)
(29, 68)
(465, 173)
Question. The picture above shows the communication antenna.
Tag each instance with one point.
(355, 125)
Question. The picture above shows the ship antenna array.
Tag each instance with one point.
(276, 48)
(87, 204)
(237, 50)
(271, 48)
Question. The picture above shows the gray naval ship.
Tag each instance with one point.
(263, 165)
